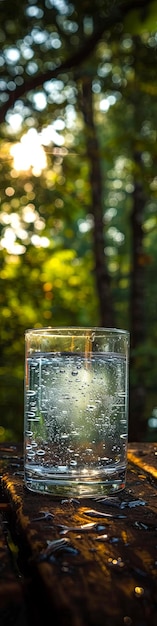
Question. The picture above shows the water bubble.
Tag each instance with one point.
(91, 407)
(40, 452)
(30, 454)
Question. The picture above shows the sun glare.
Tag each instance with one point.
(29, 153)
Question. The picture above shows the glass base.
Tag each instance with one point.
(76, 486)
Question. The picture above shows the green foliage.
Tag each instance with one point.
(142, 20)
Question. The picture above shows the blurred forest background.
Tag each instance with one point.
(78, 185)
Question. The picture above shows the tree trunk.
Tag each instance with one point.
(137, 306)
(137, 321)
(102, 276)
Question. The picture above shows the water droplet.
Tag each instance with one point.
(141, 526)
(45, 515)
(58, 545)
(109, 501)
(101, 538)
(71, 501)
(118, 563)
(139, 591)
(82, 528)
(72, 550)
(132, 504)
(92, 513)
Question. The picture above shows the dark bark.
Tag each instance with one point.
(137, 314)
(102, 276)
(137, 306)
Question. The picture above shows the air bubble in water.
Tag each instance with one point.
(41, 452)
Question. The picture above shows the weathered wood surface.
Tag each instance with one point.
(86, 563)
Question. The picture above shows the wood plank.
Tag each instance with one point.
(12, 600)
(145, 457)
(105, 573)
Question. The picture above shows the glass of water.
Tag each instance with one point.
(76, 410)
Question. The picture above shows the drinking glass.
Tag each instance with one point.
(76, 410)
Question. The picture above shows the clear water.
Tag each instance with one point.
(75, 423)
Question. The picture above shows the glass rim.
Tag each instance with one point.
(52, 330)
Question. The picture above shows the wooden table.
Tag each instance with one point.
(79, 563)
